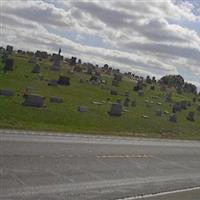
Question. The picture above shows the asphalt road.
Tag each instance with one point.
(47, 167)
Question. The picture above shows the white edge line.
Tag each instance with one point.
(160, 194)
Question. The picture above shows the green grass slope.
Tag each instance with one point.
(65, 117)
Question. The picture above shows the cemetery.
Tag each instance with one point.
(43, 91)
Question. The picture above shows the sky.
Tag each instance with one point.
(145, 37)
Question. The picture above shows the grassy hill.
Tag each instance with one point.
(65, 117)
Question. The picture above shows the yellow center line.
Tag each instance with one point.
(125, 156)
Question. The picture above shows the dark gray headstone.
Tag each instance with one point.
(56, 99)
(190, 116)
(64, 80)
(9, 64)
(6, 92)
(184, 105)
(126, 102)
(176, 107)
(95, 79)
(141, 93)
(173, 118)
(9, 49)
(118, 76)
(138, 86)
(83, 109)
(53, 83)
(115, 110)
(34, 101)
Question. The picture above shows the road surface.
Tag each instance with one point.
(55, 167)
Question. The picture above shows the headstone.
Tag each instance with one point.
(173, 118)
(190, 116)
(6, 92)
(53, 83)
(140, 93)
(9, 64)
(83, 109)
(95, 79)
(34, 100)
(33, 59)
(36, 69)
(73, 61)
(115, 110)
(138, 86)
(56, 62)
(113, 92)
(64, 80)
(176, 107)
(184, 105)
(56, 100)
(118, 77)
(19, 51)
(9, 49)
(126, 102)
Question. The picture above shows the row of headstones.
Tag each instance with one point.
(115, 110)
(190, 116)
(31, 99)
(115, 93)
(184, 105)
(37, 69)
(179, 106)
(62, 80)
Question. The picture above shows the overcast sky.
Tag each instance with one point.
(154, 37)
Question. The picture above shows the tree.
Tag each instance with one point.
(173, 80)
